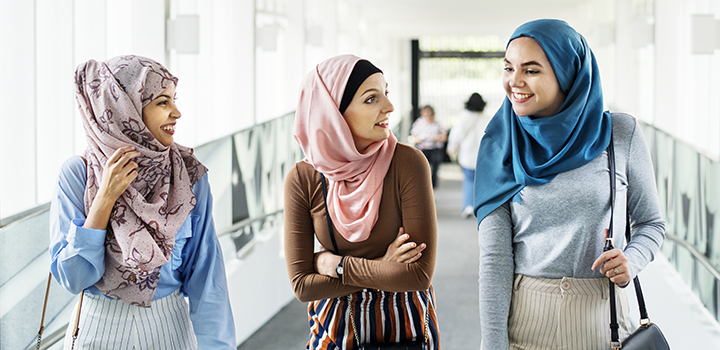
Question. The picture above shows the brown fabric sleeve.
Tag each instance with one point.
(307, 284)
(413, 192)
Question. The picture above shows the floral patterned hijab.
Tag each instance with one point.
(143, 223)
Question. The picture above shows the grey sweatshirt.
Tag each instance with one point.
(557, 230)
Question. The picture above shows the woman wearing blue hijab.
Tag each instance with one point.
(542, 199)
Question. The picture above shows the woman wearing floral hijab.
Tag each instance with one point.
(368, 199)
(543, 202)
(131, 222)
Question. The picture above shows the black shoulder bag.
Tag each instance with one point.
(648, 336)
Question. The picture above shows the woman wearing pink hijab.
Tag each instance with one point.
(369, 202)
(131, 221)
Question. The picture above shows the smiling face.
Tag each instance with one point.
(367, 115)
(529, 80)
(160, 116)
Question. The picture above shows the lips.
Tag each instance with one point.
(520, 97)
(168, 128)
(383, 124)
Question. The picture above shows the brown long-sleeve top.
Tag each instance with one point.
(407, 202)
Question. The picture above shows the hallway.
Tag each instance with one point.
(670, 302)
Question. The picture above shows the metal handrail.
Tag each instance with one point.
(245, 222)
(696, 254)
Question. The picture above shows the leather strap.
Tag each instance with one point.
(42, 318)
(327, 213)
(614, 327)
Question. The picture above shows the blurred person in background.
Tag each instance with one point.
(463, 143)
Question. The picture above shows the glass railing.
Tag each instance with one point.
(689, 193)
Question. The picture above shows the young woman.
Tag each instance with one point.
(429, 137)
(463, 141)
(543, 204)
(368, 200)
(131, 221)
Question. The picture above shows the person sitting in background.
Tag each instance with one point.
(429, 137)
(463, 143)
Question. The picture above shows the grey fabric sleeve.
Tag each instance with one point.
(497, 269)
(647, 225)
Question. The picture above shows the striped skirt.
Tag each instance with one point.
(111, 324)
(380, 317)
(564, 313)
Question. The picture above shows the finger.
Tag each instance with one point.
(604, 257)
(119, 153)
(414, 254)
(129, 168)
(127, 157)
(413, 258)
(401, 239)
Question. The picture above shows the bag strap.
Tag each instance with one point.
(327, 213)
(614, 326)
(47, 292)
(42, 318)
(615, 342)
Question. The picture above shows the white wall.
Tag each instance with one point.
(662, 82)
(240, 77)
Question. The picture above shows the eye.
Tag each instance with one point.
(387, 92)
(162, 103)
(370, 99)
(531, 71)
(508, 69)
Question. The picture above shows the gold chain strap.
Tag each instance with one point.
(426, 333)
(42, 319)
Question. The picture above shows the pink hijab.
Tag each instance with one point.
(141, 233)
(356, 179)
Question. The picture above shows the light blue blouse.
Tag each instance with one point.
(196, 267)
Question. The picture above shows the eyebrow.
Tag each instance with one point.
(163, 95)
(374, 89)
(529, 63)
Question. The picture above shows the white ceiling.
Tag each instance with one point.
(415, 18)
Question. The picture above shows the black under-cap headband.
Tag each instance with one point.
(362, 70)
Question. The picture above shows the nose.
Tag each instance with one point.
(388, 107)
(175, 112)
(514, 80)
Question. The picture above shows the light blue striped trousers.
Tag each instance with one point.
(109, 324)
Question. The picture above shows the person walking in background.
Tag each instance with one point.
(369, 202)
(429, 137)
(463, 143)
(131, 222)
(543, 201)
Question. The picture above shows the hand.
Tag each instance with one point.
(614, 265)
(401, 251)
(119, 171)
(325, 263)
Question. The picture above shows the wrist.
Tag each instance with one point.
(339, 268)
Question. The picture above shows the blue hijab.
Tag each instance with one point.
(520, 151)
